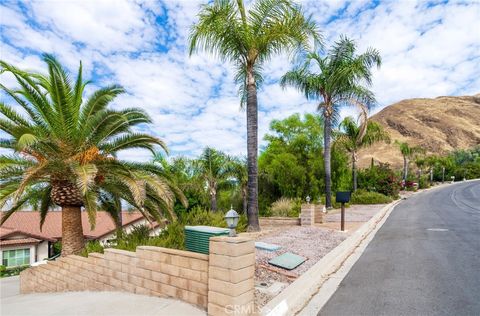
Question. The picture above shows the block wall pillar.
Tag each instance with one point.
(318, 213)
(307, 215)
(231, 276)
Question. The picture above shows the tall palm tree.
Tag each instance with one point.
(213, 168)
(408, 152)
(65, 153)
(248, 39)
(354, 136)
(342, 78)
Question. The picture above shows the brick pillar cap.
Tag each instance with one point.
(232, 240)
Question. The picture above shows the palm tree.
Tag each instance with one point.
(248, 39)
(238, 169)
(342, 78)
(408, 152)
(354, 136)
(65, 153)
(213, 168)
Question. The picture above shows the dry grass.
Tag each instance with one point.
(439, 125)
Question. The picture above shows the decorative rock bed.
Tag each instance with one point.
(311, 242)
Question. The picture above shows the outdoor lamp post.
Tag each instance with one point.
(232, 221)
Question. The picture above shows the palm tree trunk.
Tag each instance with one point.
(252, 152)
(119, 224)
(327, 131)
(354, 171)
(244, 200)
(72, 232)
(213, 202)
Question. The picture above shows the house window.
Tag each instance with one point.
(16, 257)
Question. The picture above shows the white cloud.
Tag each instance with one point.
(427, 49)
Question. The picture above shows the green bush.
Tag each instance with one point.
(281, 207)
(381, 179)
(365, 197)
(199, 216)
(139, 235)
(424, 182)
(11, 271)
(92, 246)
(173, 236)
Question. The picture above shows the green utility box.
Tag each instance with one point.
(197, 237)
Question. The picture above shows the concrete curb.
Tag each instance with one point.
(291, 300)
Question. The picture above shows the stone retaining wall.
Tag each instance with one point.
(279, 221)
(149, 271)
(222, 281)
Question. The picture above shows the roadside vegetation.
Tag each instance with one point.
(171, 236)
(63, 145)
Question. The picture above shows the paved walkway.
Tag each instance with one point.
(87, 303)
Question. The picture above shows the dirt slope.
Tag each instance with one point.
(439, 125)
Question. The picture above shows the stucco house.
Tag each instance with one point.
(22, 242)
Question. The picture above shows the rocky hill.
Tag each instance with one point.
(439, 125)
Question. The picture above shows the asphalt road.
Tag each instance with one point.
(425, 260)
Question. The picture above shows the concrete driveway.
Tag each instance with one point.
(9, 287)
(87, 303)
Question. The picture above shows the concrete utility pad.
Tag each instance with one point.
(287, 261)
(94, 303)
(265, 246)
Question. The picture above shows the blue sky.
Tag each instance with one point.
(428, 48)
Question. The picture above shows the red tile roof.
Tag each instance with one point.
(21, 241)
(28, 223)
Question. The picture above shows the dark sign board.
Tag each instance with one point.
(343, 197)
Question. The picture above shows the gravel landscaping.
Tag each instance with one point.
(310, 242)
(313, 243)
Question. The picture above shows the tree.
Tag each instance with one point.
(342, 78)
(65, 153)
(248, 39)
(238, 169)
(353, 136)
(408, 152)
(290, 158)
(183, 172)
(213, 167)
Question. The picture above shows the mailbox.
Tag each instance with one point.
(343, 197)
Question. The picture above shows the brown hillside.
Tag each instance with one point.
(439, 125)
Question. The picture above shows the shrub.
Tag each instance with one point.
(92, 246)
(281, 207)
(173, 236)
(381, 179)
(424, 182)
(285, 207)
(11, 271)
(365, 197)
(139, 235)
(199, 216)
